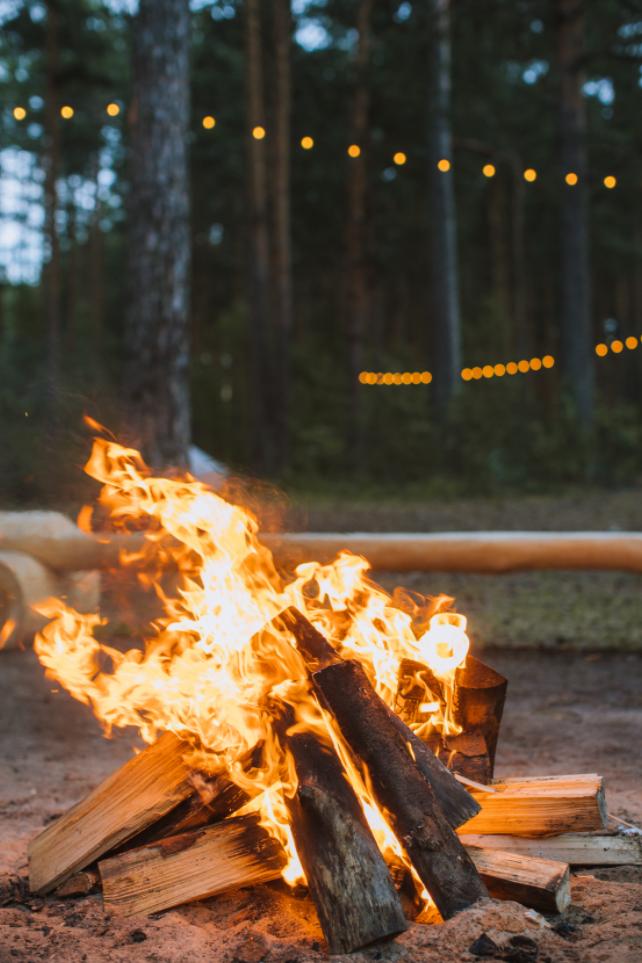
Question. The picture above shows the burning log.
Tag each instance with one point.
(540, 806)
(576, 849)
(399, 786)
(348, 879)
(136, 795)
(543, 884)
(191, 866)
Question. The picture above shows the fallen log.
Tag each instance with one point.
(403, 792)
(576, 849)
(540, 806)
(542, 884)
(179, 869)
(348, 879)
(132, 798)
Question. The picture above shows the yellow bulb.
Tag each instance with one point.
(364, 377)
(610, 182)
(511, 368)
(500, 370)
(488, 371)
(426, 377)
(536, 364)
(354, 150)
(399, 158)
(406, 378)
(466, 374)
(444, 165)
(489, 170)
(209, 122)
(601, 350)
(477, 373)
(530, 175)
(548, 360)
(616, 346)
(571, 178)
(523, 366)
(416, 377)
(113, 109)
(19, 113)
(387, 378)
(258, 133)
(631, 343)
(67, 112)
(307, 142)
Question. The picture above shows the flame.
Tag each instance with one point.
(215, 664)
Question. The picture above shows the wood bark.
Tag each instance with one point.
(157, 323)
(132, 798)
(52, 265)
(401, 790)
(259, 248)
(576, 328)
(357, 301)
(444, 284)
(348, 879)
(576, 849)
(282, 220)
(190, 866)
(540, 806)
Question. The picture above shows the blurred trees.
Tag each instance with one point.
(263, 306)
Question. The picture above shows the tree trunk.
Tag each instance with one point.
(157, 323)
(96, 287)
(51, 271)
(577, 356)
(443, 218)
(259, 248)
(282, 226)
(357, 234)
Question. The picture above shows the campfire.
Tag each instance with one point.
(307, 727)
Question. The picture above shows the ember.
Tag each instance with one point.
(295, 729)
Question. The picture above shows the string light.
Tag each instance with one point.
(631, 343)
(489, 170)
(399, 158)
(209, 122)
(19, 113)
(510, 368)
(395, 377)
(113, 109)
(548, 361)
(610, 182)
(354, 150)
(571, 178)
(617, 346)
(530, 175)
(307, 142)
(67, 112)
(444, 165)
(258, 133)
(601, 350)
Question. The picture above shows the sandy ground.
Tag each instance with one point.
(565, 713)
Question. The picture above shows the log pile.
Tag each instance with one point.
(162, 835)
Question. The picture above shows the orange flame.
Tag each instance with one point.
(215, 659)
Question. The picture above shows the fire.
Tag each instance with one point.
(217, 668)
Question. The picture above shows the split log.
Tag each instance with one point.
(576, 849)
(479, 698)
(404, 794)
(542, 884)
(540, 806)
(349, 881)
(136, 795)
(180, 869)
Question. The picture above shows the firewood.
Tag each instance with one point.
(466, 551)
(540, 806)
(133, 797)
(479, 696)
(350, 884)
(577, 849)
(179, 869)
(80, 884)
(401, 789)
(542, 884)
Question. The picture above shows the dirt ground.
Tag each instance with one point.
(566, 712)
